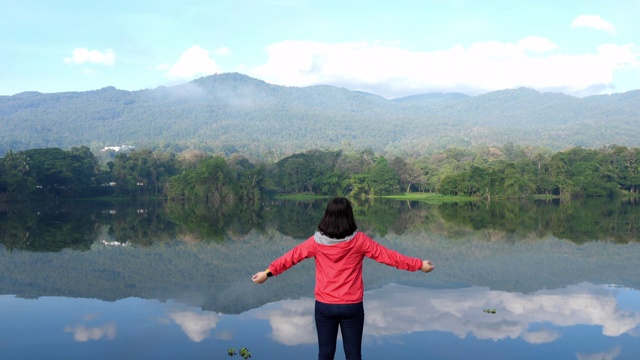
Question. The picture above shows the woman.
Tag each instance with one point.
(339, 251)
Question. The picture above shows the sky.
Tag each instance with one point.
(389, 48)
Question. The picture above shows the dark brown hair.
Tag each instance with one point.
(338, 221)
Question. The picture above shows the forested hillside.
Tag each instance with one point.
(232, 113)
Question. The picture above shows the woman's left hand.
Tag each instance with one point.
(427, 266)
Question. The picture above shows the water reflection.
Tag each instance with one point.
(77, 225)
(536, 318)
(543, 320)
(610, 354)
(82, 333)
(215, 276)
(197, 326)
(291, 321)
(171, 292)
(579, 220)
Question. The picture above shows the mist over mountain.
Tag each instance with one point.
(232, 112)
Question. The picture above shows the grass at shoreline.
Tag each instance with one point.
(549, 197)
(302, 197)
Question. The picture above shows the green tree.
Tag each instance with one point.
(15, 176)
(216, 182)
(142, 172)
(62, 173)
(410, 173)
(314, 171)
(383, 179)
(455, 184)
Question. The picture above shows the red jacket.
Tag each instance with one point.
(339, 266)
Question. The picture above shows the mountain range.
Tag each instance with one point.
(231, 112)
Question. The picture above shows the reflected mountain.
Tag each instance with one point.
(216, 275)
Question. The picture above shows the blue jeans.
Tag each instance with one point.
(350, 319)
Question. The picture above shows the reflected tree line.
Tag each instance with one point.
(506, 172)
(579, 221)
(78, 225)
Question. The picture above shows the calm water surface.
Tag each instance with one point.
(156, 281)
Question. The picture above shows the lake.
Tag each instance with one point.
(156, 280)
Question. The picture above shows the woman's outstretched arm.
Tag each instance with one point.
(393, 258)
(300, 252)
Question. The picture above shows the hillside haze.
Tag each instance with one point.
(235, 113)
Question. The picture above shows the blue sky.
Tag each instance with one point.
(390, 48)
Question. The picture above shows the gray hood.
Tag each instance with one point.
(322, 239)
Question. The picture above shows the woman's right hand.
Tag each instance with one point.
(427, 266)
(259, 277)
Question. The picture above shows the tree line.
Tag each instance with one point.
(508, 171)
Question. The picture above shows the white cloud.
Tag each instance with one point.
(223, 51)
(195, 61)
(196, 326)
(82, 56)
(536, 44)
(593, 22)
(484, 66)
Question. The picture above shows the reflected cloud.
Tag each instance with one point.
(224, 335)
(197, 326)
(91, 317)
(83, 333)
(541, 337)
(611, 354)
(535, 318)
(293, 322)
